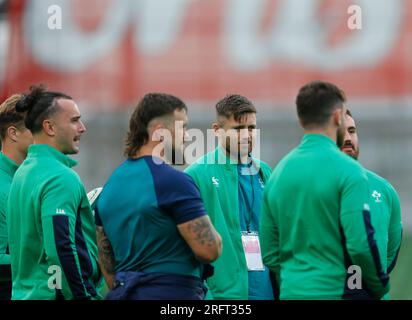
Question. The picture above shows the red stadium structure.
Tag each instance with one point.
(110, 52)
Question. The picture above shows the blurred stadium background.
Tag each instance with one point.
(109, 53)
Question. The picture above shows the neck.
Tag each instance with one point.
(328, 132)
(239, 159)
(40, 139)
(150, 150)
(11, 152)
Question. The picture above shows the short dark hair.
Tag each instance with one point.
(39, 104)
(151, 106)
(9, 116)
(236, 105)
(348, 113)
(316, 102)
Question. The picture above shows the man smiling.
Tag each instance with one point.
(231, 184)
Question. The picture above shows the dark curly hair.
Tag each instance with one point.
(151, 106)
(39, 104)
(236, 105)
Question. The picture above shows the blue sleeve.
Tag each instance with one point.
(177, 194)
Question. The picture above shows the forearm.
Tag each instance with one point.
(363, 252)
(395, 233)
(106, 257)
(202, 238)
(61, 252)
(393, 249)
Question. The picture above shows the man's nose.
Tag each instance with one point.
(82, 128)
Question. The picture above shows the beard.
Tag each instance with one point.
(175, 156)
(354, 152)
(340, 135)
(239, 152)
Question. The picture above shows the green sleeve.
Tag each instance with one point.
(269, 237)
(4, 258)
(395, 231)
(358, 232)
(60, 202)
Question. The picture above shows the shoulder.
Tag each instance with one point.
(347, 165)
(168, 179)
(291, 156)
(376, 179)
(67, 175)
(263, 165)
(203, 165)
(61, 177)
(373, 177)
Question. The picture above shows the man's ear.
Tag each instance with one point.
(49, 127)
(12, 133)
(301, 123)
(157, 132)
(337, 117)
(216, 127)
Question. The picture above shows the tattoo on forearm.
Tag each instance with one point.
(106, 256)
(203, 230)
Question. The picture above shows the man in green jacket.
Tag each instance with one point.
(51, 228)
(316, 231)
(231, 184)
(384, 202)
(15, 139)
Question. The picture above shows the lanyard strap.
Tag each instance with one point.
(249, 207)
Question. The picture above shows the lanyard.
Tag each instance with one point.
(249, 207)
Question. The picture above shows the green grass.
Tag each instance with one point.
(401, 277)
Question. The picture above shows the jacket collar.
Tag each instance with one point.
(7, 165)
(46, 151)
(315, 138)
(230, 164)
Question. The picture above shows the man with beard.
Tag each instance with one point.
(231, 183)
(316, 232)
(50, 224)
(384, 203)
(153, 231)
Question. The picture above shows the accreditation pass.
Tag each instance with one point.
(251, 247)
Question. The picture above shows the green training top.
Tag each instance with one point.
(386, 219)
(7, 170)
(52, 235)
(316, 223)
